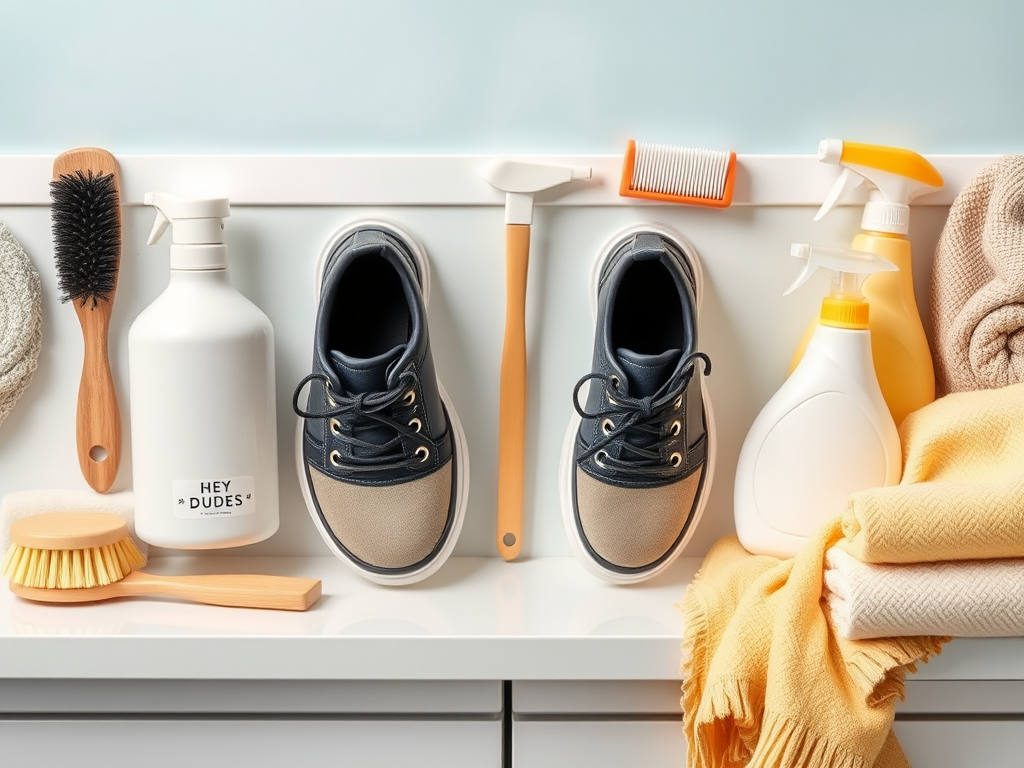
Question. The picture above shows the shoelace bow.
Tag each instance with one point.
(364, 412)
(637, 417)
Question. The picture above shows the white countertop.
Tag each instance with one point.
(476, 619)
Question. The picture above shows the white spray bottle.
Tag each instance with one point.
(202, 395)
(827, 432)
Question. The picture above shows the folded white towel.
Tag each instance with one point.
(971, 598)
(18, 504)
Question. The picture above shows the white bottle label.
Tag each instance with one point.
(223, 497)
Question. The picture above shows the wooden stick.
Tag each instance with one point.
(512, 403)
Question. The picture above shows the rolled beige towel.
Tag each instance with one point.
(977, 290)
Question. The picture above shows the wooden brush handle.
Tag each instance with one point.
(98, 422)
(282, 593)
(512, 403)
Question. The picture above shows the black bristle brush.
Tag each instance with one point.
(86, 214)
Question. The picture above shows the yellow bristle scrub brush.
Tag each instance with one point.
(86, 215)
(80, 557)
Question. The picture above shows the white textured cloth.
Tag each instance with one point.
(977, 291)
(21, 321)
(18, 504)
(969, 598)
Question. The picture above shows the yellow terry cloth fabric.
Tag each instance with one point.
(769, 684)
(962, 493)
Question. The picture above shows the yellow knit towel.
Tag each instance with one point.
(962, 493)
(768, 684)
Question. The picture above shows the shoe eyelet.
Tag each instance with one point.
(676, 428)
(335, 458)
(327, 394)
(614, 380)
(675, 459)
(611, 400)
(410, 397)
(335, 427)
(415, 424)
(678, 403)
(423, 452)
(598, 456)
(607, 426)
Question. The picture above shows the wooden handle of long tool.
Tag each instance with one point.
(98, 423)
(512, 416)
(243, 590)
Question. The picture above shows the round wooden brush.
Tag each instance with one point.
(86, 215)
(78, 557)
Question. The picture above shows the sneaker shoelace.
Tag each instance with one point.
(637, 426)
(367, 411)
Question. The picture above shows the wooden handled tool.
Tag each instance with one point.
(81, 557)
(519, 180)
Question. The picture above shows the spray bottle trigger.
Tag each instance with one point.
(159, 224)
(848, 180)
(801, 251)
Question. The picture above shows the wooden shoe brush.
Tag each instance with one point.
(86, 215)
(79, 557)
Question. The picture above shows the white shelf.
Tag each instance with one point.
(476, 619)
(434, 179)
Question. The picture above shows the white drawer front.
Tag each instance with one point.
(252, 743)
(598, 743)
(962, 744)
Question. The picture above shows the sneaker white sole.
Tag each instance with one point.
(567, 465)
(461, 455)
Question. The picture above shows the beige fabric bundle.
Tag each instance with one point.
(21, 321)
(977, 292)
(972, 598)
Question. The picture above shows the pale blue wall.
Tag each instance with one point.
(520, 75)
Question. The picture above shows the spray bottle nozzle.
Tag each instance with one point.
(848, 269)
(896, 176)
(196, 222)
(845, 306)
(198, 232)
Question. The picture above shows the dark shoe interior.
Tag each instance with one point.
(648, 316)
(370, 314)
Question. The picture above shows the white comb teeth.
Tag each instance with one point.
(684, 171)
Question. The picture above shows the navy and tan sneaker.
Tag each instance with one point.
(381, 454)
(638, 456)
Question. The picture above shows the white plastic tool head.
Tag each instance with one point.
(896, 177)
(197, 235)
(520, 179)
(848, 269)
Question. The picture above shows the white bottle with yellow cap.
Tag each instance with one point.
(893, 177)
(827, 432)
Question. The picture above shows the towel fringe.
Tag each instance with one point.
(786, 743)
(879, 667)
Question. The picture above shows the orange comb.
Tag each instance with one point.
(678, 174)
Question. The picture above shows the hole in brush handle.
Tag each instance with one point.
(98, 454)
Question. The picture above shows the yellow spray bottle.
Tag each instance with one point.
(899, 348)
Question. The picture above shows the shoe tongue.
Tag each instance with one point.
(646, 374)
(358, 375)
